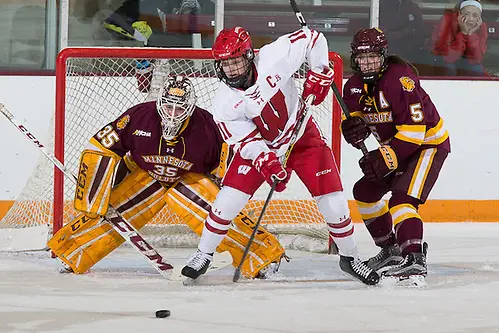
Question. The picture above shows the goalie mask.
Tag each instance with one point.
(234, 56)
(175, 104)
(368, 53)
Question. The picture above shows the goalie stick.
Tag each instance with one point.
(336, 91)
(297, 132)
(119, 224)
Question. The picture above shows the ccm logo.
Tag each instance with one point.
(323, 172)
(82, 175)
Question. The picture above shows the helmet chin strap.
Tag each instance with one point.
(251, 78)
(369, 77)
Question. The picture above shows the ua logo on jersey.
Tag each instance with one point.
(243, 169)
(256, 96)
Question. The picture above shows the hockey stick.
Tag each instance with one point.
(336, 91)
(298, 130)
(119, 224)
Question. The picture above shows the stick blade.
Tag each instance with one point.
(6, 112)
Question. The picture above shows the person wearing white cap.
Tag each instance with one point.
(460, 39)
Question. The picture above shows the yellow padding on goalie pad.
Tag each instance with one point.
(191, 199)
(84, 242)
(75, 243)
(95, 177)
(225, 156)
(265, 249)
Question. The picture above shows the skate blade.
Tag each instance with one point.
(356, 279)
(220, 260)
(411, 281)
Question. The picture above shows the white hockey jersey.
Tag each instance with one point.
(262, 117)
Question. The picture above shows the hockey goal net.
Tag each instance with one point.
(93, 87)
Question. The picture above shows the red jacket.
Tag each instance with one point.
(450, 43)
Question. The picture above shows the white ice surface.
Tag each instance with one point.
(122, 293)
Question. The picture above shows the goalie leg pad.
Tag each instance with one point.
(191, 199)
(264, 251)
(72, 242)
(84, 242)
(95, 177)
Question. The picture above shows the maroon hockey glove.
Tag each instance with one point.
(270, 168)
(354, 130)
(318, 84)
(376, 164)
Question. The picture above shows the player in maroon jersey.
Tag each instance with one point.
(385, 98)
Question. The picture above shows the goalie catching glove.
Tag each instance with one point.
(318, 84)
(376, 164)
(271, 169)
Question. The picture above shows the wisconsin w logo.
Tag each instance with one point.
(243, 169)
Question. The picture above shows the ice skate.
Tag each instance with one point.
(388, 256)
(197, 265)
(413, 264)
(359, 270)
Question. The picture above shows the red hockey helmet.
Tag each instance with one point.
(371, 40)
(232, 44)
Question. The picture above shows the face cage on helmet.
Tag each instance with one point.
(370, 76)
(170, 122)
(240, 80)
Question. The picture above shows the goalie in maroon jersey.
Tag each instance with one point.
(164, 152)
(385, 99)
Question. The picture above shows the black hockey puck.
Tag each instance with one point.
(162, 313)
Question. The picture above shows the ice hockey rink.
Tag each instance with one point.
(122, 293)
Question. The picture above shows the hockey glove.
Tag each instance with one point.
(376, 164)
(318, 84)
(355, 130)
(271, 169)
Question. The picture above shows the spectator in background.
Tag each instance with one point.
(460, 40)
(402, 23)
(146, 21)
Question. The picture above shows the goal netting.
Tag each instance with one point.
(93, 87)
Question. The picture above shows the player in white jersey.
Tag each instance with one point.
(256, 109)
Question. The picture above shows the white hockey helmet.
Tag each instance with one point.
(175, 104)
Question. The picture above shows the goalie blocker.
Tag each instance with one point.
(168, 166)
